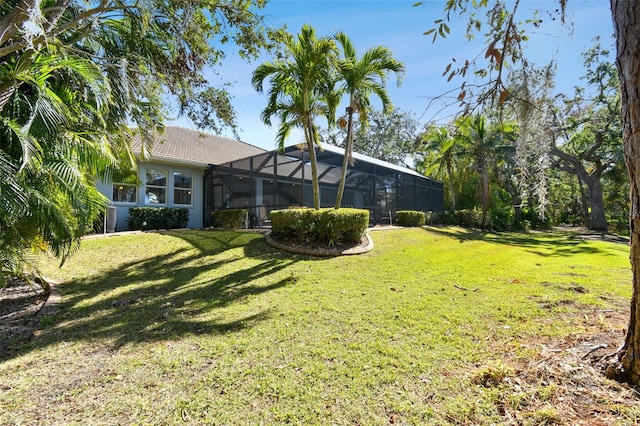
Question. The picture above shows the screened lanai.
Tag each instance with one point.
(274, 180)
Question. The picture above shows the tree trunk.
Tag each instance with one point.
(592, 201)
(348, 150)
(311, 145)
(452, 192)
(484, 190)
(597, 219)
(626, 22)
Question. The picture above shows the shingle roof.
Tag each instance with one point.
(178, 144)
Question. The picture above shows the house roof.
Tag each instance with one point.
(194, 147)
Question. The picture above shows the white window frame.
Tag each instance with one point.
(184, 189)
(147, 187)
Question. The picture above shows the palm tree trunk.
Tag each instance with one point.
(311, 145)
(452, 192)
(484, 189)
(348, 152)
(485, 197)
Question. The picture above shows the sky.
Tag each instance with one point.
(399, 26)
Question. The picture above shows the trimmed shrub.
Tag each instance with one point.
(293, 224)
(228, 219)
(157, 218)
(341, 226)
(410, 218)
(322, 227)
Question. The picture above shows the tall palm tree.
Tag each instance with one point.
(444, 149)
(301, 89)
(485, 144)
(360, 78)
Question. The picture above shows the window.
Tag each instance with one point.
(125, 193)
(182, 188)
(156, 191)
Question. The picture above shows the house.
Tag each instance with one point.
(172, 173)
(203, 173)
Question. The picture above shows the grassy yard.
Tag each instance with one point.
(433, 326)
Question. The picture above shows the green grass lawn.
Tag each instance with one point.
(433, 326)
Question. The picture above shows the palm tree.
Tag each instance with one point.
(485, 144)
(444, 149)
(301, 89)
(52, 149)
(361, 78)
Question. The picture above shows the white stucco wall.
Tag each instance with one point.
(195, 209)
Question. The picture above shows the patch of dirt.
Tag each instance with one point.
(561, 380)
(20, 303)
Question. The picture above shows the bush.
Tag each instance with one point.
(228, 219)
(465, 218)
(471, 219)
(503, 219)
(157, 218)
(410, 218)
(322, 227)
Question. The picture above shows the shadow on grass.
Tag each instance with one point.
(184, 292)
(546, 244)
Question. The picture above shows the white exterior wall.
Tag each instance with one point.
(196, 208)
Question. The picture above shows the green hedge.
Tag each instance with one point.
(410, 218)
(322, 227)
(228, 219)
(499, 220)
(157, 218)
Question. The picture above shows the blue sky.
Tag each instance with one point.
(400, 27)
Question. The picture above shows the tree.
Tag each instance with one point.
(74, 76)
(360, 78)
(444, 149)
(485, 143)
(504, 40)
(589, 127)
(301, 89)
(389, 137)
(626, 22)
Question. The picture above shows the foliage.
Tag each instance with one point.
(229, 218)
(410, 218)
(499, 220)
(471, 218)
(74, 76)
(505, 34)
(589, 140)
(360, 78)
(158, 218)
(301, 88)
(438, 151)
(320, 227)
(503, 220)
(389, 137)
